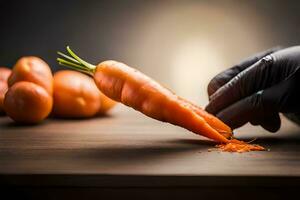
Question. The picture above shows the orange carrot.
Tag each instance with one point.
(4, 74)
(75, 95)
(32, 69)
(29, 97)
(27, 102)
(136, 90)
(213, 121)
(106, 104)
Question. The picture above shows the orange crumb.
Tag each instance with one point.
(239, 146)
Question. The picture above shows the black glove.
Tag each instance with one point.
(258, 89)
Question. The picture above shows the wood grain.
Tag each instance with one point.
(126, 145)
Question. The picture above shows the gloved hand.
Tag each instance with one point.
(258, 89)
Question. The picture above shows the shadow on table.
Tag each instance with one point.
(13, 125)
(142, 153)
(176, 147)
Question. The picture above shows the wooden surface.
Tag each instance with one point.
(127, 149)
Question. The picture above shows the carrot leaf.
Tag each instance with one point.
(75, 62)
(68, 57)
(79, 59)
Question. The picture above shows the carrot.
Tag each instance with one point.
(32, 69)
(27, 102)
(4, 74)
(134, 89)
(3, 90)
(213, 121)
(106, 104)
(29, 96)
(75, 95)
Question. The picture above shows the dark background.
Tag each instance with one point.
(182, 44)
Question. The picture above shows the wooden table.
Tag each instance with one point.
(128, 155)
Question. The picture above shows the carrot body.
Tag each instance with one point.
(27, 102)
(106, 104)
(134, 89)
(4, 74)
(29, 96)
(213, 121)
(3, 90)
(75, 95)
(32, 69)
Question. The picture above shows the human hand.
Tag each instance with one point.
(258, 89)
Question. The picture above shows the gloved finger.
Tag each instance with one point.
(225, 76)
(246, 83)
(249, 109)
(243, 111)
(271, 122)
(281, 97)
(284, 96)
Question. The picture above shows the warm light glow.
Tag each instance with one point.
(184, 45)
(194, 63)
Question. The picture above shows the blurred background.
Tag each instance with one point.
(182, 44)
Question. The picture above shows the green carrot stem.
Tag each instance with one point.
(75, 62)
(68, 57)
(70, 63)
(77, 69)
(88, 65)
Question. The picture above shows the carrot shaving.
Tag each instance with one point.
(239, 146)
